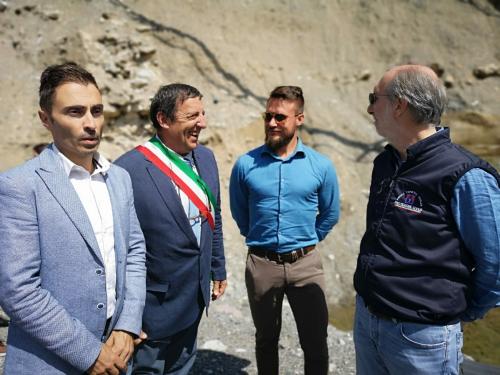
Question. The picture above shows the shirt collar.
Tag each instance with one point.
(442, 135)
(188, 156)
(101, 164)
(299, 150)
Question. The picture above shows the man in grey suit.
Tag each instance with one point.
(177, 197)
(72, 269)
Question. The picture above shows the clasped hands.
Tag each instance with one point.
(115, 353)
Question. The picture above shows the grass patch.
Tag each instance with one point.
(482, 338)
(341, 315)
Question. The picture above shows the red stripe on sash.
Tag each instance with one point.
(178, 181)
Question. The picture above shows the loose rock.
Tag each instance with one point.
(490, 70)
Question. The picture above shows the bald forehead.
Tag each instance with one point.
(415, 68)
(393, 72)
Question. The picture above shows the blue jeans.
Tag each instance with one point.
(395, 347)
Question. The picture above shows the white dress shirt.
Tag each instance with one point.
(94, 195)
(192, 212)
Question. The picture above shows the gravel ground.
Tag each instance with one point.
(226, 341)
(226, 344)
(226, 336)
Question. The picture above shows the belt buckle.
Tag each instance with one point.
(295, 256)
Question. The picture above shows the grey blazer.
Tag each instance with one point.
(52, 283)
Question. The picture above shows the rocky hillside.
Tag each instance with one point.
(235, 52)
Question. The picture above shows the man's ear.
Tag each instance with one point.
(162, 120)
(44, 118)
(300, 119)
(400, 107)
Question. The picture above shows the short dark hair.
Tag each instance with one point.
(292, 93)
(39, 147)
(56, 75)
(168, 98)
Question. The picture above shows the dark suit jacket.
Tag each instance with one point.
(178, 270)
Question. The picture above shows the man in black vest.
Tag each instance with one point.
(430, 256)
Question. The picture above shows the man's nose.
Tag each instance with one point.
(202, 122)
(369, 109)
(89, 122)
(272, 123)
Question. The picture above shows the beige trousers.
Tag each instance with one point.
(303, 283)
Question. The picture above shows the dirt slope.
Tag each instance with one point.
(235, 52)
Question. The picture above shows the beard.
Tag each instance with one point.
(275, 142)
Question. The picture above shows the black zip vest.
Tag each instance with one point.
(413, 265)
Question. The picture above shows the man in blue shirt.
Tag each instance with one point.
(430, 256)
(285, 199)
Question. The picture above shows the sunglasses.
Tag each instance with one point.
(268, 116)
(372, 97)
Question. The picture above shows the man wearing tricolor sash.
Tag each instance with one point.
(177, 198)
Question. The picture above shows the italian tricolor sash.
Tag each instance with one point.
(182, 175)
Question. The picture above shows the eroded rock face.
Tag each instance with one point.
(490, 70)
(236, 53)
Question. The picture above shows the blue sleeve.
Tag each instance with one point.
(476, 209)
(130, 318)
(238, 198)
(328, 203)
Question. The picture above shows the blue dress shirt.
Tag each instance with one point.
(284, 203)
(476, 209)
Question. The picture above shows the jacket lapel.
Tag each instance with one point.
(57, 182)
(120, 211)
(170, 198)
(202, 166)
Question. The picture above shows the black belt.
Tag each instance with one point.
(289, 257)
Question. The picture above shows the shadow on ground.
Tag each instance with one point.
(215, 363)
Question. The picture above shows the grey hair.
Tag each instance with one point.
(426, 95)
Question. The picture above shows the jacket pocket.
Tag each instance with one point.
(157, 292)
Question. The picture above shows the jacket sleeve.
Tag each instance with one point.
(218, 263)
(30, 307)
(130, 318)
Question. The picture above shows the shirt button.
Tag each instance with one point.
(100, 305)
(98, 271)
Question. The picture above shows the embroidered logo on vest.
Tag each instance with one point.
(409, 201)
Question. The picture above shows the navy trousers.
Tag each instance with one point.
(173, 355)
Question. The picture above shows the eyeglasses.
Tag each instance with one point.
(268, 116)
(372, 97)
